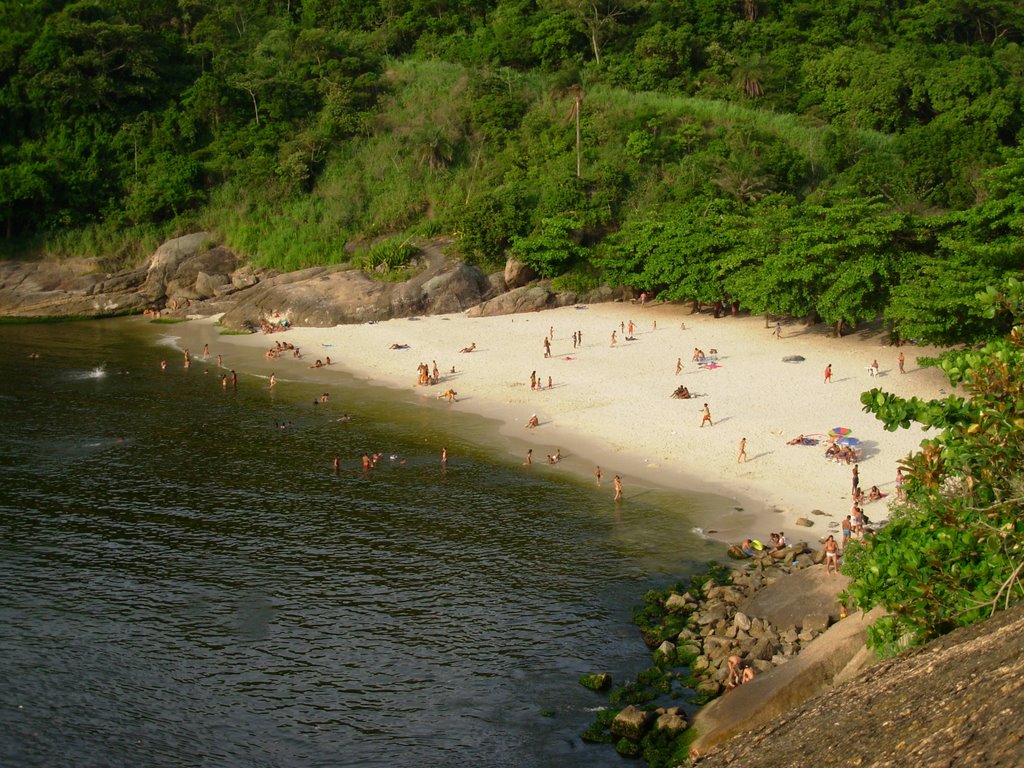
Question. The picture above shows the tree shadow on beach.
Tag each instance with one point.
(867, 449)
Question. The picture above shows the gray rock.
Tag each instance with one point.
(631, 723)
(672, 723)
(803, 521)
(817, 622)
(742, 621)
(676, 603)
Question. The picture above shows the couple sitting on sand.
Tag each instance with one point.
(682, 393)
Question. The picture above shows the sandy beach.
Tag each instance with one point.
(612, 405)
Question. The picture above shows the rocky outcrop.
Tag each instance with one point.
(192, 276)
(329, 296)
(954, 702)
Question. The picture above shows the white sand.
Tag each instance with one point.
(612, 405)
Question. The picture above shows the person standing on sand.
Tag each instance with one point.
(741, 457)
(828, 373)
(679, 365)
(547, 347)
(855, 480)
(901, 359)
(613, 339)
(777, 333)
(529, 457)
(618, 488)
(831, 555)
(901, 493)
(706, 417)
(597, 475)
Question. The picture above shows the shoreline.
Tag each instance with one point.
(612, 406)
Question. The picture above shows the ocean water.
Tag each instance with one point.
(184, 582)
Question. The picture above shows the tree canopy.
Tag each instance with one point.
(842, 161)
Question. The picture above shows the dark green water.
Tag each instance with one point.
(183, 583)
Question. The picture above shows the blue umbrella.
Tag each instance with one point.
(848, 441)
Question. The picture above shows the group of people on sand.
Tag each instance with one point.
(279, 347)
(841, 453)
(537, 384)
(427, 376)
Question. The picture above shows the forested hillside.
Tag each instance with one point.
(825, 158)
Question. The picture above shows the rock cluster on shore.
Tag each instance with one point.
(722, 628)
(766, 612)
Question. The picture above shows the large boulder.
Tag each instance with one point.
(164, 264)
(631, 723)
(517, 274)
(328, 296)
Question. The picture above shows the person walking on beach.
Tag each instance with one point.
(901, 493)
(618, 488)
(847, 529)
(741, 457)
(597, 475)
(901, 360)
(706, 417)
(679, 365)
(547, 347)
(613, 339)
(777, 333)
(574, 339)
(828, 373)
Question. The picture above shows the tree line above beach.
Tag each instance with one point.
(825, 160)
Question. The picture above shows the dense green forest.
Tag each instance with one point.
(826, 159)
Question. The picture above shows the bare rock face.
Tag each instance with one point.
(328, 296)
(164, 264)
(958, 701)
(517, 274)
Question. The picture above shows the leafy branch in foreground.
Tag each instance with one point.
(952, 553)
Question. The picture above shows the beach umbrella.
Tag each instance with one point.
(839, 431)
(848, 441)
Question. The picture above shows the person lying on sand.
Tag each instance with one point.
(470, 348)
(798, 440)
(396, 345)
